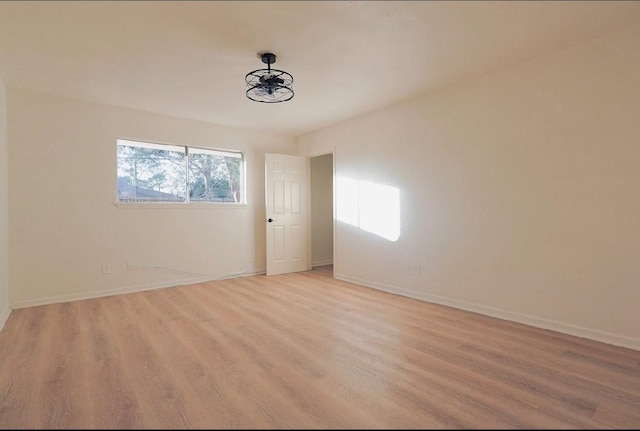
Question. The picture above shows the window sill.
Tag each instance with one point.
(171, 205)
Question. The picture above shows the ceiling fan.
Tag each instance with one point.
(269, 85)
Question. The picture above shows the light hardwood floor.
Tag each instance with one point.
(301, 350)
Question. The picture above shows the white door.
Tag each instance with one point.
(286, 214)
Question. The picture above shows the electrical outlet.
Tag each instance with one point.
(106, 268)
(416, 269)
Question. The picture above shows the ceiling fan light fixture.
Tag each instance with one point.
(269, 85)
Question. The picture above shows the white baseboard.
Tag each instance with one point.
(565, 328)
(131, 289)
(322, 263)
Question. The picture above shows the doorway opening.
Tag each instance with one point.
(321, 220)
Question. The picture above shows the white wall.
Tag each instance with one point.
(65, 225)
(519, 192)
(5, 308)
(321, 209)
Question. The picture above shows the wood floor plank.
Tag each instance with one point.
(110, 401)
(301, 351)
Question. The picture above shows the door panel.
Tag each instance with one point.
(286, 224)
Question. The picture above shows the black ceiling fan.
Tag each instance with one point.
(269, 85)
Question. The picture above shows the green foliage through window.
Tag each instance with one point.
(150, 172)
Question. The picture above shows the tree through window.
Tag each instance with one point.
(149, 172)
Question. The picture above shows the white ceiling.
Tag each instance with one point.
(189, 59)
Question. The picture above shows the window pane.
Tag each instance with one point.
(215, 176)
(151, 173)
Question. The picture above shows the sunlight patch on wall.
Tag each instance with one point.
(372, 207)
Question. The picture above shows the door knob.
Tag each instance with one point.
(270, 220)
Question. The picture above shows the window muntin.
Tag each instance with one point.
(149, 172)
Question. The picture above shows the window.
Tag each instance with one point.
(150, 172)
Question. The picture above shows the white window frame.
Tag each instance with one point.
(187, 202)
